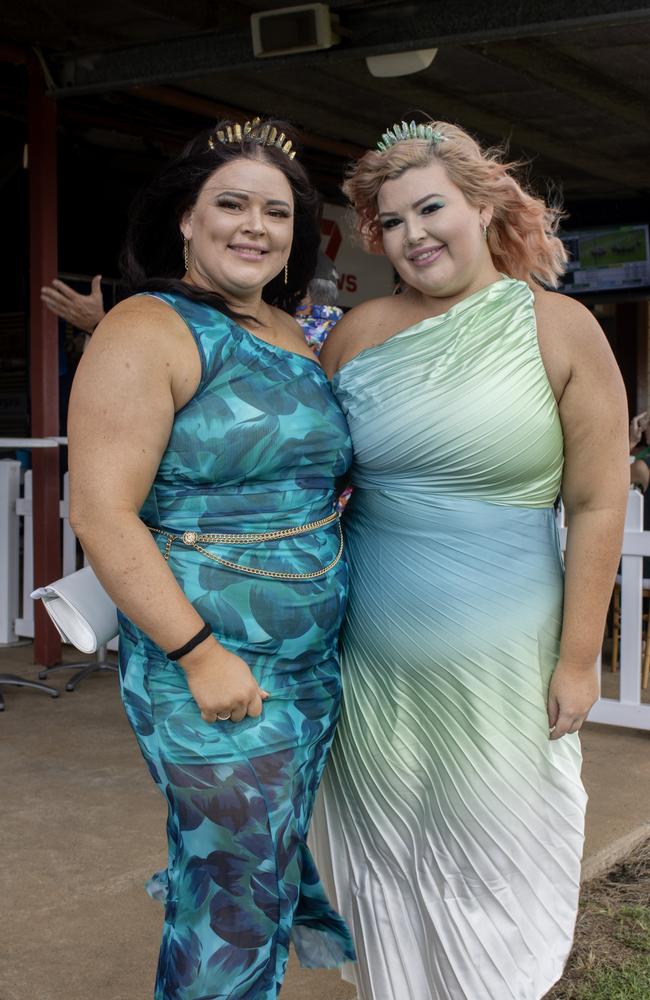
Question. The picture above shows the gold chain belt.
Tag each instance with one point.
(192, 538)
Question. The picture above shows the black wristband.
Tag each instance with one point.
(189, 646)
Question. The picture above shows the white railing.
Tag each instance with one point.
(24, 623)
(17, 608)
(9, 549)
(16, 521)
(627, 709)
(16, 504)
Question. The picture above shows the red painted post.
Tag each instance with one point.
(44, 353)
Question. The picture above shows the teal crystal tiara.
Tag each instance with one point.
(398, 133)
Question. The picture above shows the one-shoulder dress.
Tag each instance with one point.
(449, 829)
(254, 453)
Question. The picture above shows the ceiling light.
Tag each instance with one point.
(400, 63)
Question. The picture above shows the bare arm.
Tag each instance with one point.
(593, 411)
(140, 367)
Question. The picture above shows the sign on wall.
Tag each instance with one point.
(362, 275)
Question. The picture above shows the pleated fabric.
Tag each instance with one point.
(449, 829)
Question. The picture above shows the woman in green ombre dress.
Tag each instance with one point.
(449, 826)
(205, 444)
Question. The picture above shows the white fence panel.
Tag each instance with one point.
(9, 549)
(25, 623)
(628, 709)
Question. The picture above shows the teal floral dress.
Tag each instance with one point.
(258, 448)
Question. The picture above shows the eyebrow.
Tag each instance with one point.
(416, 204)
(246, 197)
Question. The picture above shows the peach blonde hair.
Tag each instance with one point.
(522, 234)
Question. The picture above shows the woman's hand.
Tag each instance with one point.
(83, 311)
(573, 690)
(638, 427)
(222, 684)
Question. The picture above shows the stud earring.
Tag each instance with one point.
(286, 274)
(186, 254)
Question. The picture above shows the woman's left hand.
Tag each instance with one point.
(573, 690)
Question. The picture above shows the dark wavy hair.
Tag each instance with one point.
(152, 256)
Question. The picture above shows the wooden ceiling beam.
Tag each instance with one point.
(456, 107)
(213, 110)
(311, 104)
(561, 73)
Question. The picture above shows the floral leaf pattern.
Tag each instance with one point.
(258, 447)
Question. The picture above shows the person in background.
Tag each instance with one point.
(639, 460)
(84, 312)
(318, 312)
(78, 312)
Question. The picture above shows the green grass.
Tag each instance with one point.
(611, 954)
(631, 982)
(634, 928)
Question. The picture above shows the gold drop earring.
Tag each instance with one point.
(286, 274)
(186, 253)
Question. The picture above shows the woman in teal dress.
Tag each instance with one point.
(205, 444)
(450, 822)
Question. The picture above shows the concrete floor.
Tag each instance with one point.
(82, 828)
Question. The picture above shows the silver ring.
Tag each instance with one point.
(224, 718)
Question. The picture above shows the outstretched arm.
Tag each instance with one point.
(85, 312)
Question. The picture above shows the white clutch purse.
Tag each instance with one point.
(82, 611)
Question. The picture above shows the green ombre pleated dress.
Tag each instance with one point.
(449, 828)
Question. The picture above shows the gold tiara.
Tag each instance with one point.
(253, 131)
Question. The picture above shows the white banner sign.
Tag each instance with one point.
(362, 275)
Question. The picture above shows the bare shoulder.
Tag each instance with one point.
(571, 340)
(560, 316)
(361, 327)
(286, 332)
(142, 346)
(284, 321)
(579, 361)
(141, 323)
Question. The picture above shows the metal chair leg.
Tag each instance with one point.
(83, 669)
(13, 680)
